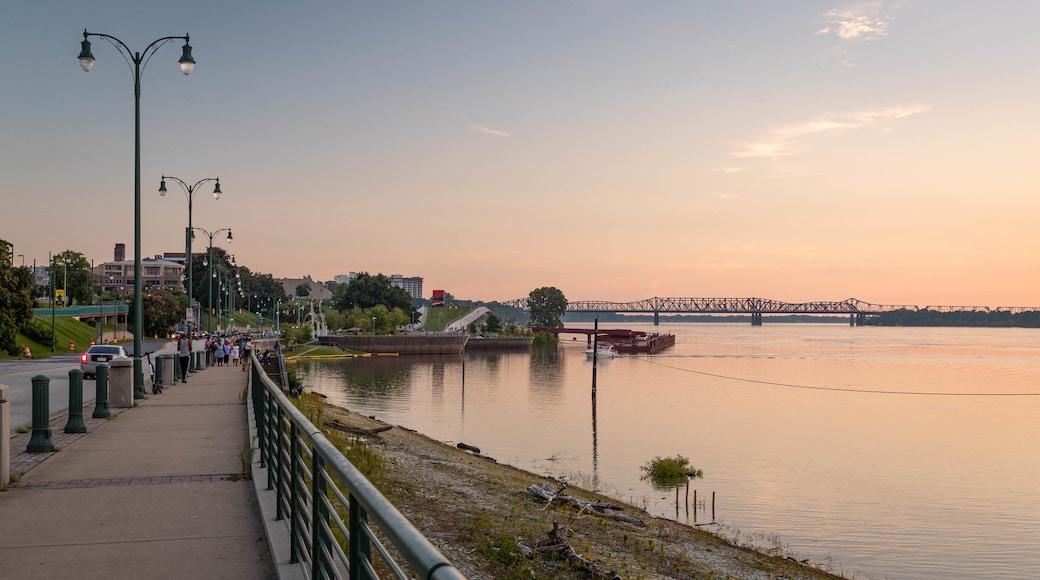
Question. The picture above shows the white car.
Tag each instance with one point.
(99, 353)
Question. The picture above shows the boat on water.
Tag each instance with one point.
(645, 344)
(602, 351)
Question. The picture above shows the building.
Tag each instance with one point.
(318, 291)
(118, 275)
(411, 285)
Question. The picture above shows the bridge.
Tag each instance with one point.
(857, 310)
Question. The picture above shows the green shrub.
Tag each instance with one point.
(544, 339)
(38, 331)
(669, 471)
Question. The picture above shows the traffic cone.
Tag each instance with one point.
(26, 351)
(72, 345)
(93, 342)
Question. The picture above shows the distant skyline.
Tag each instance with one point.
(617, 150)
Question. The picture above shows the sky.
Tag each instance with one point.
(617, 150)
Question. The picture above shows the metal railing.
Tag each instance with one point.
(317, 489)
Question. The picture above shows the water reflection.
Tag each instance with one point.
(904, 486)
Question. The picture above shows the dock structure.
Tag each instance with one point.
(625, 341)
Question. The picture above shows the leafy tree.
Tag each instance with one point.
(303, 290)
(16, 299)
(304, 333)
(367, 291)
(334, 319)
(547, 304)
(76, 272)
(163, 309)
(493, 325)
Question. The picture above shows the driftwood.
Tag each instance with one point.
(475, 451)
(555, 542)
(549, 495)
(335, 424)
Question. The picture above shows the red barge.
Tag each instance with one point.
(645, 344)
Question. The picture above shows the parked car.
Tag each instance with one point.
(99, 353)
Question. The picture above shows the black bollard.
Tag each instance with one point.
(75, 423)
(40, 442)
(101, 400)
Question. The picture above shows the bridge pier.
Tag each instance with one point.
(657, 317)
(756, 319)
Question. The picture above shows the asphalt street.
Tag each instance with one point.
(18, 375)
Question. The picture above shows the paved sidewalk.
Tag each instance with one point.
(154, 492)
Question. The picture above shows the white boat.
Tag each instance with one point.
(602, 351)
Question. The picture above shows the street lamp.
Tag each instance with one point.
(209, 275)
(189, 235)
(373, 325)
(187, 64)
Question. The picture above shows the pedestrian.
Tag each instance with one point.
(247, 353)
(218, 353)
(183, 355)
(227, 352)
(234, 354)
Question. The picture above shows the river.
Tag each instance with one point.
(878, 452)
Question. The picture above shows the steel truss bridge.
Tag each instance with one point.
(857, 310)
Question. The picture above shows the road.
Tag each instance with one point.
(18, 375)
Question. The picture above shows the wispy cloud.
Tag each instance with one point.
(489, 131)
(865, 21)
(482, 128)
(794, 139)
(728, 170)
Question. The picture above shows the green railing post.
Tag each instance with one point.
(40, 442)
(101, 400)
(75, 423)
(177, 368)
(319, 518)
(295, 499)
(159, 363)
(360, 548)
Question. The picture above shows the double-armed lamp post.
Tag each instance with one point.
(187, 64)
(209, 273)
(189, 234)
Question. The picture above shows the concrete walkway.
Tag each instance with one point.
(154, 492)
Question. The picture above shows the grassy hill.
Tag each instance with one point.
(438, 318)
(65, 330)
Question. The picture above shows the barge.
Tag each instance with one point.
(645, 344)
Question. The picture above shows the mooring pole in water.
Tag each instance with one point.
(595, 354)
(713, 506)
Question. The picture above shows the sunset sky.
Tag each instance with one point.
(617, 150)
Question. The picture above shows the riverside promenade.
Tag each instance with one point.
(156, 491)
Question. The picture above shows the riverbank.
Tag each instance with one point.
(478, 513)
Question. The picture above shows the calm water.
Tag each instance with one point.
(885, 452)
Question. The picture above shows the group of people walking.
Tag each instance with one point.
(228, 352)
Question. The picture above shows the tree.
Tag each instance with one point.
(16, 299)
(367, 291)
(303, 290)
(547, 304)
(76, 272)
(493, 325)
(163, 309)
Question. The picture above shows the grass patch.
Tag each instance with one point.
(65, 329)
(438, 318)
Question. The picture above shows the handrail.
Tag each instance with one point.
(307, 472)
